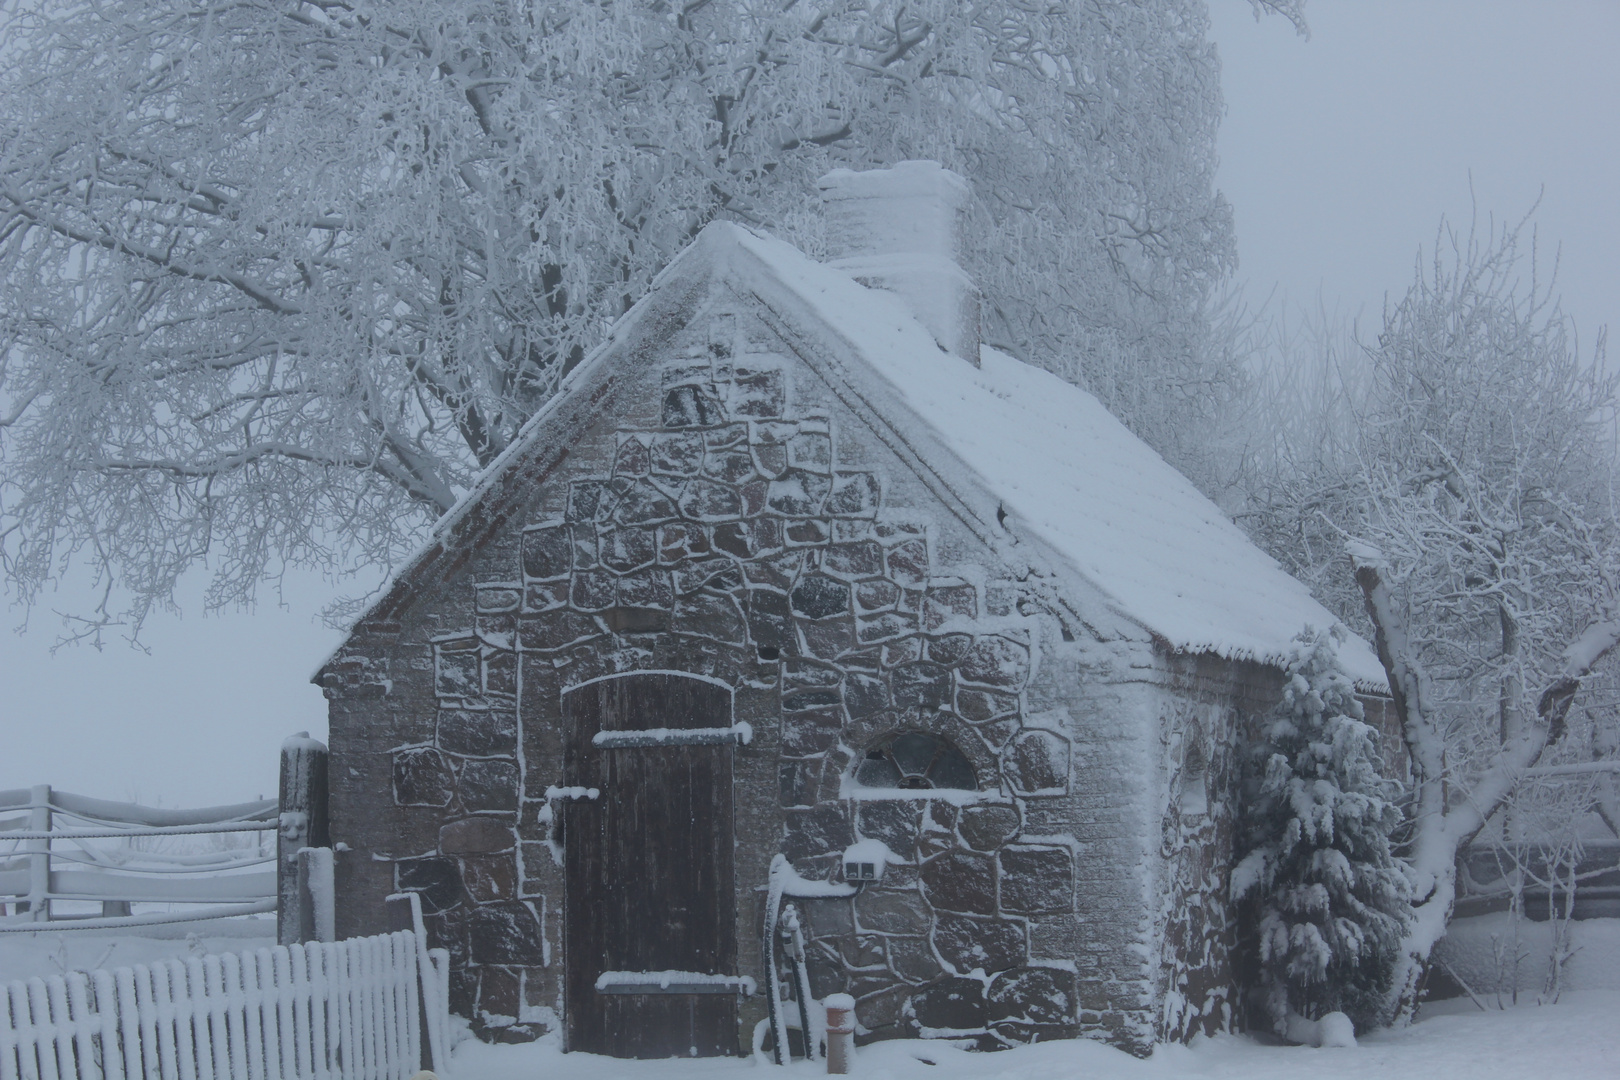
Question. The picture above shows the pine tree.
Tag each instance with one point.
(1326, 900)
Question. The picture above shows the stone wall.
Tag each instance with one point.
(1217, 706)
(730, 519)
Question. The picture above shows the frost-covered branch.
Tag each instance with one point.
(1578, 768)
(277, 279)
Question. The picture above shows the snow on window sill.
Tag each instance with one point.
(849, 789)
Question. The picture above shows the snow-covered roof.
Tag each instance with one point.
(1159, 553)
(1071, 474)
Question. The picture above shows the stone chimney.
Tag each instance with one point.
(900, 229)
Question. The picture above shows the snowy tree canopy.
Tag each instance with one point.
(1471, 445)
(277, 278)
(1326, 897)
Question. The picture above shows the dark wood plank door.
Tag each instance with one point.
(649, 866)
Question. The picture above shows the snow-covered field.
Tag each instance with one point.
(1576, 1039)
(30, 955)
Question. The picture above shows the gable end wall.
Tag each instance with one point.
(724, 502)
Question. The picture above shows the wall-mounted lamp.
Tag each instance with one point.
(864, 861)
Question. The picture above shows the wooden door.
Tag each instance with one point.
(649, 866)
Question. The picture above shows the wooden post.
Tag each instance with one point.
(840, 1032)
(39, 853)
(317, 904)
(302, 824)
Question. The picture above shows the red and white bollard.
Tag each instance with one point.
(840, 1032)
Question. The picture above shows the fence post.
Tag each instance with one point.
(303, 823)
(39, 854)
(840, 1032)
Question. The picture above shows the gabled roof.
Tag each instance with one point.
(1041, 465)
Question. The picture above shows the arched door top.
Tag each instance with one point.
(617, 675)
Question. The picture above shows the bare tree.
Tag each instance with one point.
(278, 277)
(1483, 542)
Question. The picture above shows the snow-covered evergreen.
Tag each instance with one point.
(1326, 900)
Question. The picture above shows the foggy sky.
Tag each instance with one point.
(1339, 155)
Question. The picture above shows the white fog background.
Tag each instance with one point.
(1339, 155)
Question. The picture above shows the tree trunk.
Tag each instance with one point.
(1441, 830)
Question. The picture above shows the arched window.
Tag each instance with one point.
(915, 759)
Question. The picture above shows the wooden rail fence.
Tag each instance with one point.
(59, 850)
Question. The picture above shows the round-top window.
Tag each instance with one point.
(915, 759)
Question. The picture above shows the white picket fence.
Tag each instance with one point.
(346, 1010)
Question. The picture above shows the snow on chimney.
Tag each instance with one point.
(900, 229)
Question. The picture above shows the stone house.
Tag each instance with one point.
(792, 563)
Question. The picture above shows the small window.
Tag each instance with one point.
(1193, 797)
(915, 760)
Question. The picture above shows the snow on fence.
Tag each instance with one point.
(62, 850)
(1553, 877)
(370, 1008)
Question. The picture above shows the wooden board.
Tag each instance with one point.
(649, 867)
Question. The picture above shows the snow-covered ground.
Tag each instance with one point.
(30, 955)
(1494, 955)
(1576, 1039)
